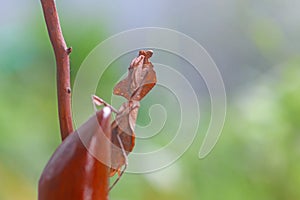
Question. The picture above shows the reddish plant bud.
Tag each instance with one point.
(78, 169)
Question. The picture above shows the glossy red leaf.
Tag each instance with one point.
(78, 169)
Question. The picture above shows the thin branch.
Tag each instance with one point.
(62, 66)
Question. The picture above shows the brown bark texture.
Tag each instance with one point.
(62, 67)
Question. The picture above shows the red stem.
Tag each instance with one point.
(59, 184)
(63, 67)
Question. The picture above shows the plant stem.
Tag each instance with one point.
(62, 66)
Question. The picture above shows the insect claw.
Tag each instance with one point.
(97, 101)
(94, 103)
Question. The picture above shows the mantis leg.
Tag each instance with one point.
(97, 101)
(125, 166)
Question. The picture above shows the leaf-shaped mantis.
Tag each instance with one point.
(140, 80)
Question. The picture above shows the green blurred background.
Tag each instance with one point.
(256, 47)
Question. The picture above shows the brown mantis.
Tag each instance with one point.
(140, 80)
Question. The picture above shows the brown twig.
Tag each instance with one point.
(58, 180)
(62, 65)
